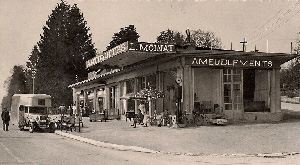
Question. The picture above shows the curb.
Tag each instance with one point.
(106, 145)
(145, 150)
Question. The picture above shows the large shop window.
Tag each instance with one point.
(232, 79)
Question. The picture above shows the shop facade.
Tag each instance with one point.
(244, 85)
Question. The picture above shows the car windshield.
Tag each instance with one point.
(38, 110)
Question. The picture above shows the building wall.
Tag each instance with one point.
(207, 85)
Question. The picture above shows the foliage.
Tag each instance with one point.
(126, 34)
(197, 38)
(149, 93)
(297, 49)
(204, 39)
(16, 84)
(170, 37)
(290, 78)
(64, 47)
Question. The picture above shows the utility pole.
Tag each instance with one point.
(33, 77)
(244, 44)
(267, 46)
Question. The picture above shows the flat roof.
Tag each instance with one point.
(133, 54)
(42, 96)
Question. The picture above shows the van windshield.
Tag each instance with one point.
(38, 110)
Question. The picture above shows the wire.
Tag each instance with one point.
(264, 24)
(277, 27)
(277, 24)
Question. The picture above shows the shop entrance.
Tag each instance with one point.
(101, 104)
(233, 100)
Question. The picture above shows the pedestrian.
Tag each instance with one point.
(5, 118)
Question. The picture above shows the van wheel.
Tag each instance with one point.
(21, 128)
(31, 128)
(52, 128)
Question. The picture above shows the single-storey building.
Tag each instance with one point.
(245, 85)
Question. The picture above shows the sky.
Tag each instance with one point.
(270, 25)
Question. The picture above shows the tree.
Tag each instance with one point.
(290, 79)
(126, 34)
(64, 47)
(197, 38)
(204, 39)
(297, 49)
(16, 84)
(170, 37)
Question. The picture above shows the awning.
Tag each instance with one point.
(131, 96)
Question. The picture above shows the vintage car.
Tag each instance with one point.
(32, 111)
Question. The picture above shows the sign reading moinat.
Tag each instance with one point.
(219, 62)
(132, 46)
(151, 47)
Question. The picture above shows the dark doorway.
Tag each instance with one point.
(248, 84)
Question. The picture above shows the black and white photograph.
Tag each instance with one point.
(150, 82)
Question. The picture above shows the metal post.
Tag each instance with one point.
(33, 77)
(32, 85)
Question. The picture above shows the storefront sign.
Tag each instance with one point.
(198, 61)
(107, 54)
(133, 46)
(151, 47)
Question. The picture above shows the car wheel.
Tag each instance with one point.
(52, 128)
(31, 128)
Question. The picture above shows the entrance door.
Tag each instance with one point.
(101, 104)
(233, 100)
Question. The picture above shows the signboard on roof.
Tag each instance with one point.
(132, 46)
(220, 62)
(108, 54)
(151, 47)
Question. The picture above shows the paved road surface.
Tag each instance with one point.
(18, 147)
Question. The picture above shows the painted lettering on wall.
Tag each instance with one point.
(151, 47)
(134, 46)
(108, 54)
(232, 62)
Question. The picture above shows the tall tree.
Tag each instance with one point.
(204, 39)
(297, 49)
(126, 34)
(16, 84)
(197, 38)
(170, 37)
(64, 47)
(290, 76)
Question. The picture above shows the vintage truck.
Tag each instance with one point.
(31, 111)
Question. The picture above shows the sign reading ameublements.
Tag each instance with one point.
(199, 61)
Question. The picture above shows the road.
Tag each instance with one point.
(18, 147)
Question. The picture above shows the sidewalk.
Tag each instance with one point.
(290, 106)
(249, 139)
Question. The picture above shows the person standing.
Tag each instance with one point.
(5, 118)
